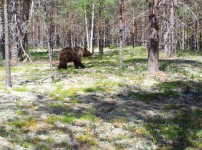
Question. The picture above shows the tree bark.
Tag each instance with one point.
(7, 52)
(25, 19)
(120, 34)
(2, 33)
(14, 43)
(172, 23)
(134, 29)
(153, 55)
(34, 34)
(183, 39)
(101, 29)
(165, 28)
(186, 30)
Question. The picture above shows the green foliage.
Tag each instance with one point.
(110, 46)
(140, 50)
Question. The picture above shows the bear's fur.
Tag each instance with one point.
(74, 55)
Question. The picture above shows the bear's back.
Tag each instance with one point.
(78, 51)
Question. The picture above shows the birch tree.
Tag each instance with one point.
(92, 29)
(120, 33)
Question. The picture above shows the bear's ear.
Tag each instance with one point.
(85, 49)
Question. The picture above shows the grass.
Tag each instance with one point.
(20, 89)
(88, 139)
(22, 123)
(69, 109)
(64, 119)
(60, 93)
(95, 89)
(178, 129)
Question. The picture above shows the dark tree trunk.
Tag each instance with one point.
(200, 42)
(101, 30)
(153, 54)
(134, 33)
(25, 19)
(2, 35)
(7, 55)
(193, 43)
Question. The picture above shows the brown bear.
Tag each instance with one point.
(74, 55)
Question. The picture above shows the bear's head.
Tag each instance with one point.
(87, 53)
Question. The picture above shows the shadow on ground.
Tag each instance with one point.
(168, 118)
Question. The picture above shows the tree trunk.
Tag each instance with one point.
(143, 30)
(101, 30)
(123, 26)
(153, 55)
(57, 38)
(134, 29)
(72, 31)
(14, 43)
(50, 38)
(186, 30)
(7, 55)
(41, 32)
(172, 28)
(200, 42)
(120, 33)
(34, 34)
(2, 33)
(183, 40)
(25, 19)
(49, 48)
(92, 30)
(87, 37)
(165, 28)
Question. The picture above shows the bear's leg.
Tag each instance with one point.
(81, 65)
(65, 66)
(62, 66)
(76, 65)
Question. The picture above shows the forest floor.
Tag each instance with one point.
(102, 108)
